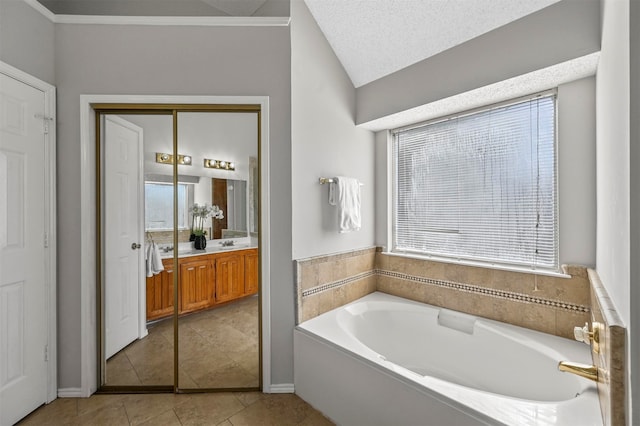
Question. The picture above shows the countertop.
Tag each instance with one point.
(212, 248)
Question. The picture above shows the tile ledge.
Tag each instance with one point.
(347, 253)
(609, 311)
(500, 267)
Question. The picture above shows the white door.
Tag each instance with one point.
(123, 234)
(23, 289)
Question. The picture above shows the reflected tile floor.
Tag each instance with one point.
(225, 409)
(218, 348)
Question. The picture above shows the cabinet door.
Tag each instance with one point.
(196, 285)
(160, 293)
(229, 276)
(251, 272)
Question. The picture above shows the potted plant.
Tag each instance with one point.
(199, 215)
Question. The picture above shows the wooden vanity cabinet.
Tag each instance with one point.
(196, 284)
(251, 272)
(205, 281)
(229, 276)
(160, 292)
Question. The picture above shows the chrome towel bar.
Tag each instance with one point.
(324, 180)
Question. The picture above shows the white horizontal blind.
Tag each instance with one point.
(480, 186)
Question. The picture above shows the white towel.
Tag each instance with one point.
(344, 192)
(153, 259)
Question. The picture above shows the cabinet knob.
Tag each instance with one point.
(135, 246)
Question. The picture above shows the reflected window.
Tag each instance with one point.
(158, 206)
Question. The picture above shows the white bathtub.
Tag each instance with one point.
(384, 360)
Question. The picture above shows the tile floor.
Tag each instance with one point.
(217, 348)
(225, 409)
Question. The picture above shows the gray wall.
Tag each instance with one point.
(566, 30)
(27, 40)
(613, 122)
(618, 154)
(634, 331)
(576, 117)
(325, 142)
(105, 59)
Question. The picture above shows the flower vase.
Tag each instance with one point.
(192, 237)
(200, 242)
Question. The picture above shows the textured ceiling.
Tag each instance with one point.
(374, 38)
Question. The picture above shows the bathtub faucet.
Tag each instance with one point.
(583, 370)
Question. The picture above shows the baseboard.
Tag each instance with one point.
(71, 393)
(281, 388)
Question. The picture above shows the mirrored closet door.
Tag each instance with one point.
(218, 329)
(180, 293)
(138, 273)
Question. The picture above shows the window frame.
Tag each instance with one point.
(465, 259)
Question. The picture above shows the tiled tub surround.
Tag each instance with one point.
(552, 305)
(327, 282)
(611, 358)
(549, 304)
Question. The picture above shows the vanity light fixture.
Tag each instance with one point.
(219, 164)
(163, 158)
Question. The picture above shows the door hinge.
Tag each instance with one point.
(46, 352)
(46, 120)
(46, 240)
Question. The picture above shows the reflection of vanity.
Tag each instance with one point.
(206, 280)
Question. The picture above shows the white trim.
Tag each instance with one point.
(202, 21)
(89, 379)
(50, 219)
(281, 388)
(70, 393)
(41, 9)
(88, 324)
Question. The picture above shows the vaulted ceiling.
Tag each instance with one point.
(374, 38)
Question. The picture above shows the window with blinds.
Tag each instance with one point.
(480, 186)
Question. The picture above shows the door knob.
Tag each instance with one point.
(135, 246)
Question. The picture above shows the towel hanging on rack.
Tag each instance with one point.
(344, 193)
(153, 260)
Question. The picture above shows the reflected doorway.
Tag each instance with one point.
(198, 316)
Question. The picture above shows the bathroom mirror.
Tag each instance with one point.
(230, 195)
(218, 343)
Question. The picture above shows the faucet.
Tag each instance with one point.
(583, 370)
